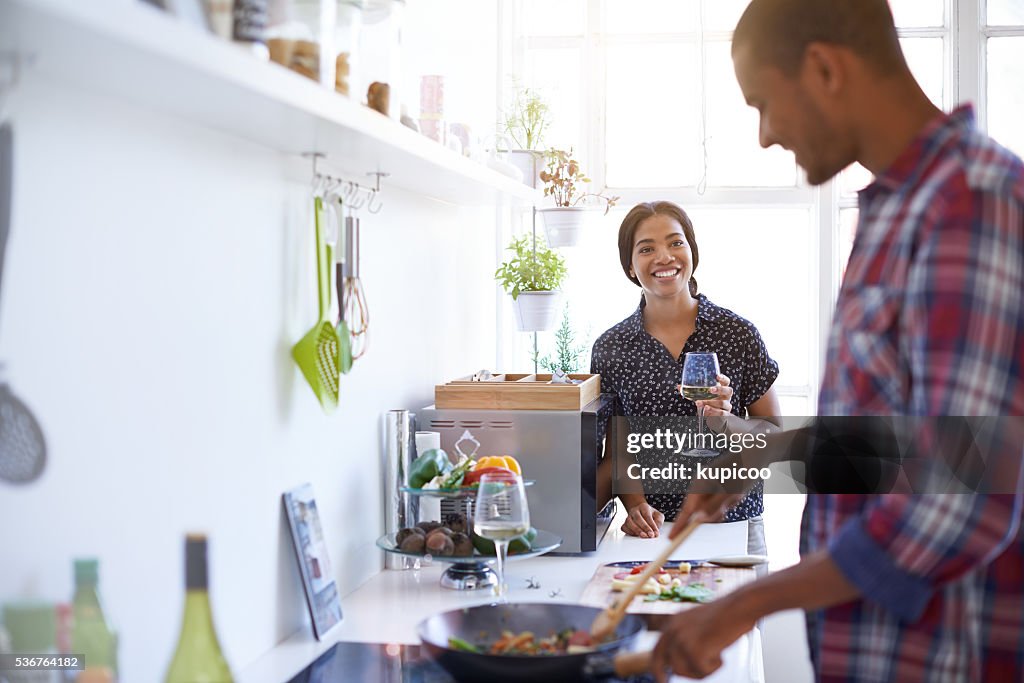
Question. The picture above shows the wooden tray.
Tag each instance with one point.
(720, 580)
(517, 392)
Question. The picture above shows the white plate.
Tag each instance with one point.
(737, 560)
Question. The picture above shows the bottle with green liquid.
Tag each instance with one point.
(198, 658)
(90, 634)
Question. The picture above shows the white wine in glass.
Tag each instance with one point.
(700, 374)
(501, 514)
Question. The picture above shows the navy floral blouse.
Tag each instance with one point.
(643, 375)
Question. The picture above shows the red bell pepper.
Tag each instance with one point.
(473, 477)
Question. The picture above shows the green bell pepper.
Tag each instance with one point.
(427, 466)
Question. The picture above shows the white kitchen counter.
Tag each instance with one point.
(387, 608)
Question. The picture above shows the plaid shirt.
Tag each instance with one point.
(929, 321)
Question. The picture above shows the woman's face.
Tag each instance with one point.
(662, 260)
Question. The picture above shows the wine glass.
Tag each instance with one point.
(700, 373)
(501, 515)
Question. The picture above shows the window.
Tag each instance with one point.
(646, 94)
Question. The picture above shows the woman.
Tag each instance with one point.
(640, 359)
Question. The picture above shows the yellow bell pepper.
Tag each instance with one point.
(506, 461)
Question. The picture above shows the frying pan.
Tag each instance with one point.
(486, 622)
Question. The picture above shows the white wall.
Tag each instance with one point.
(156, 277)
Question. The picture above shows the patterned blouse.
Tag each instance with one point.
(643, 375)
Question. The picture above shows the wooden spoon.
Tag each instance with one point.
(605, 622)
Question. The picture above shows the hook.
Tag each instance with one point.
(369, 203)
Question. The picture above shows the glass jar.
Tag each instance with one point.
(303, 40)
(348, 21)
(381, 53)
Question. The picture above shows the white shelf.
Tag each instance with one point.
(130, 50)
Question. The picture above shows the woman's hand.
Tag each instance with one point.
(643, 521)
(717, 409)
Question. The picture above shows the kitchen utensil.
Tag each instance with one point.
(317, 352)
(357, 314)
(22, 446)
(542, 619)
(606, 621)
(344, 336)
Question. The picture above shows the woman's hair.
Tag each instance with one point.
(637, 215)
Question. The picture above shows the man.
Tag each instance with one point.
(929, 322)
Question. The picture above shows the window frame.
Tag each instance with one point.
(965, 37)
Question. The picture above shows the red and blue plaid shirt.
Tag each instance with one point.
(929, 321)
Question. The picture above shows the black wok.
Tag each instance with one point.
(484, 623)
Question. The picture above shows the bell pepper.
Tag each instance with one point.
(427, 466)
(473, 476)
(506, 461)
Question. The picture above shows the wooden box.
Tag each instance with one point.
(517, 392)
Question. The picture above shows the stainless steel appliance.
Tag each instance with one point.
(557, 449)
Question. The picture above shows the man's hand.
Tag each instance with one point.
(692, 642)
(712, 505)
(643, 520)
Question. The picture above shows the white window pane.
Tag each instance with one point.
(723, 15)
(600, 295)
(561, 18)
(917, 13)
(653, 125)
(796, 406)
(651, 16)
(735, 157)
(847, 231)
(1005, 13)
(561, 88)
(854, 179)
(926, 61)
(751, 259)
(1005, 92)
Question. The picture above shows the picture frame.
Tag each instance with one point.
(314, 565)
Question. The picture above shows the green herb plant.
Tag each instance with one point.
(527, 117)
(568, 354)
(562, 178)
(534, 267)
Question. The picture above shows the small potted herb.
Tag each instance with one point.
(562, 179)
(533, 276)
(569, 353)
(526, 119)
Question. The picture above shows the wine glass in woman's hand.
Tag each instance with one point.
(700, 374)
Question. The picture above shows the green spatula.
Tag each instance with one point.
(316, 353)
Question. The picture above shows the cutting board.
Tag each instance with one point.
(720, 580)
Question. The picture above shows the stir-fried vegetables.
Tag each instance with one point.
(567, 641)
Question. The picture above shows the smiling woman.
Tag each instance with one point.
(640, 359)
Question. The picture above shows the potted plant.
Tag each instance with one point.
(532, 276)
(525, 121)
(561, 182)
(569, 356)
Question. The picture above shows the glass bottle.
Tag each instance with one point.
(381, 51)
(198, 656)
(348, 20)
(90, 634)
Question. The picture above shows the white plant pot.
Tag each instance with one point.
(537, 311)
(531, 163)
(563, 225)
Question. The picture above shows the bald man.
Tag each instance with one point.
(929, 322)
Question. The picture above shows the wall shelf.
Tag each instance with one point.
(129, 50)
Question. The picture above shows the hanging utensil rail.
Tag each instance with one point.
(355, 196)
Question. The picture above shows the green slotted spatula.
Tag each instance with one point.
(317, 352)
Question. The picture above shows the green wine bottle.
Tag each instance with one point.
(90, 635)
(198, 658)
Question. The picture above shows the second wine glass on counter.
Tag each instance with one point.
(501, 514)
(700, 374)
